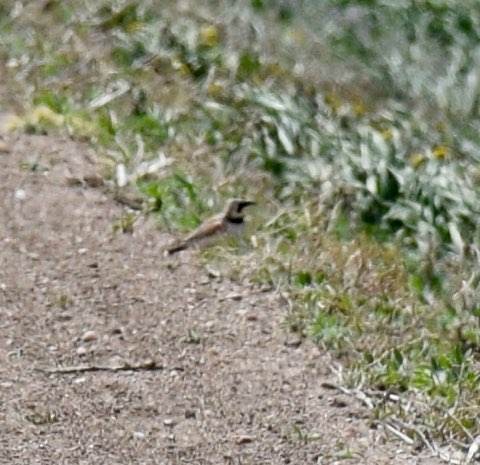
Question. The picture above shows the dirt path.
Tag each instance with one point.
(228, 388)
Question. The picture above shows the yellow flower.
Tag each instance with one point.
(359, 108)
(209, 36)
(440, 152)
(417, 159)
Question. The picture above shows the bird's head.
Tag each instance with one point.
(235, 207)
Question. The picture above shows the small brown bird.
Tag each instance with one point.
(232, 220)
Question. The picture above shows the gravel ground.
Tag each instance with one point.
(214, 377)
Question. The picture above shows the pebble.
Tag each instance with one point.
(20, 194)
(82, 351)
(169, 422)
(213, 273)
(293, 342)
(234, 296)
(72, 181)
(4, 148)
(138, 435)
(244, 439)
(93, 180)
(209, 325)
(89, 336)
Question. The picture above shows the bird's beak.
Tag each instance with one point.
(245, 203)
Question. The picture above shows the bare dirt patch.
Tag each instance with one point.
(218, 381)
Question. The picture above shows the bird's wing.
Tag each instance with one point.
(210, 227)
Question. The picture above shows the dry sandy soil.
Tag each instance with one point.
(214, 378)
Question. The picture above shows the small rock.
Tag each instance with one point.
(339, 402)
(72, 181)
(209, 325)
(244, 439)
(234, 296)
(293, 342)
(81, 351)
(82, 251)
(213, 351)
(20, 194)
(190, 414)
(89, 336)
(130, 200)
(93, 180)
(251, 317)
(122, 177)
(4, 148)
(204, 280)
(169, 422)
(138, 435)
(213, 273)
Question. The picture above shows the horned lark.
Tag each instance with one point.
(232, 220)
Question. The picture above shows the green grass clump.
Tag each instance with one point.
(357, 125)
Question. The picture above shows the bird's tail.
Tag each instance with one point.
(177, 247)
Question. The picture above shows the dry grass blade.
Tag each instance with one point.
(472, 450)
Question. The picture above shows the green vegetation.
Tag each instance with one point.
(355, 123)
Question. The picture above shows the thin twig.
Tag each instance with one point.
(148, 365)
